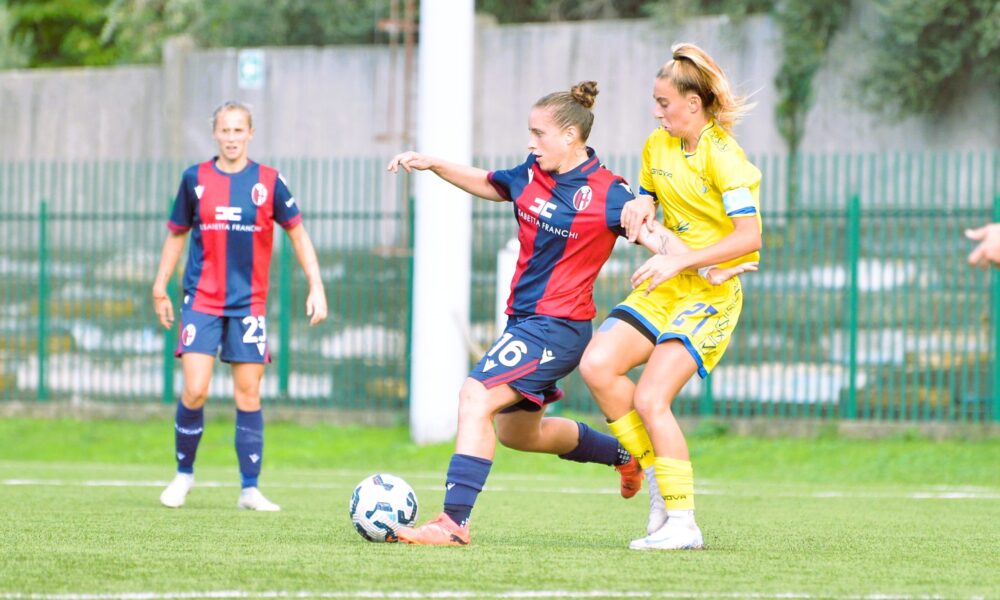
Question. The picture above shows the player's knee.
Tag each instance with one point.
(472, 405)
(593, 369)
(648, 403)
(597, 368)
(194, 396)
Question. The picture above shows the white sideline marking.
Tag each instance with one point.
(447, 594)
(935, 493)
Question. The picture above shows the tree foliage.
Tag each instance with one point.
(15, 49)
(102, 32)
(676, 11)
(530, 11)
(920, 51)
(62, 32)
(806, 30)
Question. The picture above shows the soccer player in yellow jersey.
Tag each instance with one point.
(675, 321)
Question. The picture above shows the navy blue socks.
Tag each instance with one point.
(597, 447)
(188, 427)
(466, 478)
(249, 445)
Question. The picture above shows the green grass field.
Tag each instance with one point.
(783, 518)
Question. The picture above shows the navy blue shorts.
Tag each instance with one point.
(240, 339)
(531, 356)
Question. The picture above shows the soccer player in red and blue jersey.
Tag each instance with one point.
(230, 205)
(568, 209)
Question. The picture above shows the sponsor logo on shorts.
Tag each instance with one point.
(187, 336)
(547, 355)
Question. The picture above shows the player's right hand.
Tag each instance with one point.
(164, 310)
(719, 276)
(988, 250)
(637, 212)
(410, 160)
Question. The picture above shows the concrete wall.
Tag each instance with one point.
(347, 101)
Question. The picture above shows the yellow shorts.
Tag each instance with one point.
(689, 309)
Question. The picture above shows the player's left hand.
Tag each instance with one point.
(656, 270)
(316, 305)
(164, 310)
(988, 249)
(636, 214)
(408, 161)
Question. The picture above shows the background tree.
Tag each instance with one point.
(807, 27)
(530, 11)
(15, 49)
(63, 32)
(921, 51)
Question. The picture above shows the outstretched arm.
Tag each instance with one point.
(469, 179)
(171, 253)
(306, 255)
(660, 240)
(744, 239)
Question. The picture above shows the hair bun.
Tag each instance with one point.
(585, 92)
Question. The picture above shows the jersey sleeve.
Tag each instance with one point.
(286, 211)
(646, 186)
(618, 194)
(503, 181)
(738, 181)
(185, 204)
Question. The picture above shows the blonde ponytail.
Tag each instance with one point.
(692, 70)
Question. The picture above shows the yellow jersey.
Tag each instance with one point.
(702, 192)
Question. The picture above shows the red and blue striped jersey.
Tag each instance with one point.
(567, 226)
(231, 217)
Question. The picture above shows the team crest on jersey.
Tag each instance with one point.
(258, 194)
(187, 336)
(582, 198)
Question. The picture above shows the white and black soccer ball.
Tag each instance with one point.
(380, 504)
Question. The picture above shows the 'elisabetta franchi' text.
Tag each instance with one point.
(247, 227)
(566, 233)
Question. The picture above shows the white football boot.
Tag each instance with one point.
(176, 492)
(252, 499)
(657, 508)
(680, 532)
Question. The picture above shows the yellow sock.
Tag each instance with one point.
(633, 437)
(676, 481)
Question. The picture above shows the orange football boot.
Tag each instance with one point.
(631, 474)
(442, 531)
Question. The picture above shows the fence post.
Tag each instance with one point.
(43, 299)
(995, 298)
(409, 226)
(285, 322)
(853, 252)
(169, 344)
(705, 403)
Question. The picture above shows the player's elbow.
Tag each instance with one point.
(754, 241)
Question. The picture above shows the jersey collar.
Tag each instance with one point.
(583, 169)
(709, 125)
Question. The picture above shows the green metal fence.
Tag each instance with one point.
(863, 307)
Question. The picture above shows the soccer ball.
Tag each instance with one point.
(380, 504)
